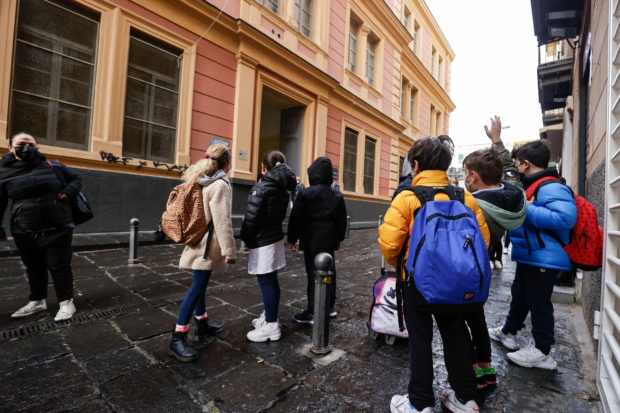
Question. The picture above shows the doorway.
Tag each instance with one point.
(281, 128)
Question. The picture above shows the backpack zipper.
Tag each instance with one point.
(468, 242)
(419, 247)
(450, 217)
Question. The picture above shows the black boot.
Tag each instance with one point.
(179, 349)
(204, 328)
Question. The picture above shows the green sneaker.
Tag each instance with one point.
(490, 376)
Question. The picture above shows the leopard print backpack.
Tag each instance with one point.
(184, 219)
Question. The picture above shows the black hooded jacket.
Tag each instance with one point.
(319, 216)
(267, 204)
(33, 187)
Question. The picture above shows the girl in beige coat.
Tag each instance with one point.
(210, 173)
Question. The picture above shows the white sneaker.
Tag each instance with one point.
(532, 357)
(448, 398)
(508, 340)
(66, 311)
(268, 331)
(492, 265)
(30, 308)
(258, 322)
(400, 404)
(498, 265)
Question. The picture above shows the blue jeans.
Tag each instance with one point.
(270, 288)
(195, 299)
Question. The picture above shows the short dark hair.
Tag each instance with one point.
(536, 152)
(432, 153)
(487, 163)
(20, 133)
(271, 158)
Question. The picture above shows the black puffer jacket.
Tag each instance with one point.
(33, 187)
(319, 216)
(267, 204)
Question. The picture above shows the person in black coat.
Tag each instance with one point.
(40, 221)
(261, 231)
(318, 223)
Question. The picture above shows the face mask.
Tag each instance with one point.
(25, 152)
(467, 186)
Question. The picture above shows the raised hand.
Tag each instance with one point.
(495, 131)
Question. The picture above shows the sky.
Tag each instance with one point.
(494, 71)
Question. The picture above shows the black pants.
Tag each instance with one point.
(456, 345)
(531, 292)
(310, 269)
(42, 252)
(496, 251)
(481, 343)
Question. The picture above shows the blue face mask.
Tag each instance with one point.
(26, 152)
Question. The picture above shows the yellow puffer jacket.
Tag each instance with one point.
(399, 217)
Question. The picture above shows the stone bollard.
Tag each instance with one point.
(323, 263)
(133, 241)
(348, 225)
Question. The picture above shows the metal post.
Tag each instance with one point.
(379, 222)
(133, 241)
(348, 225)
(323, 278)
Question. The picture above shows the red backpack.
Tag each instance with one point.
(585, 248)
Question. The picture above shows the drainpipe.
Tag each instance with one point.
(583, 121)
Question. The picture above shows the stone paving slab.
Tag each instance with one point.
(120, 363)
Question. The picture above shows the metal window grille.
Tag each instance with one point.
(303, 10)
(353, 46)
(369, 165)
(53, 73)
(370, 61)
(273, 5)
(608, 380)
(350, 160)
(151, 100)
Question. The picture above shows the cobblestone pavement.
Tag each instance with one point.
(113, 355)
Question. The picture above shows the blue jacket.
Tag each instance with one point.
(554, 209)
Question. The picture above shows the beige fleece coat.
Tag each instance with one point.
(217, 200)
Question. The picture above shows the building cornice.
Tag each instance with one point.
(433, 26)
(386, 18)
(251, 42)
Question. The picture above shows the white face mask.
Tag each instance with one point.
(467, 183)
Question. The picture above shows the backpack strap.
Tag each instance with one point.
(209, 238)
(400, 285)
(532, 193)
(55, 165)
(532, 190)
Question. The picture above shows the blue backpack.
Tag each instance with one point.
(448, 263)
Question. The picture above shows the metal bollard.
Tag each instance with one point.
(382, 258)
(348, 225)
(323, 277)
(133, 241)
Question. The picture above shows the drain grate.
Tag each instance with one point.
(41, 327)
